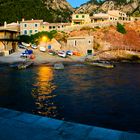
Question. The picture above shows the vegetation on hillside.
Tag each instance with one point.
(15, 10)
(121, 28)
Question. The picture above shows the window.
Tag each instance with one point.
(50, 27)
(77, 16)
(83, 16)
(30, 31)
(89, 52)
(53, 27)
(25, 32)
(75, 43)
(36, 31)
(35, 25)
(25, 25)
(89, 42)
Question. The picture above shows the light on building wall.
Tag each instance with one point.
(44, 39)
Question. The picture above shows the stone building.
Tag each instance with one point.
(111, 15)
(28, 27)
(83, 44)
(53, 26)
(79, 19)
(8, 41)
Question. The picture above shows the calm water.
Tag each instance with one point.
(95, 96)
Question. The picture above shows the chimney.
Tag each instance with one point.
(5, 24)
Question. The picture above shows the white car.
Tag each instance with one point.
(42, 49)
(62, 54)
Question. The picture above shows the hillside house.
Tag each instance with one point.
(80, 19)
(8, 41)
(83, 44)
(29, 27)
(118, 15)
(100, 17)
(53, 26)
(111, 15)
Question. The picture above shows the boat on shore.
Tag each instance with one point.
(25, 65)
(21, 65)
(104, 64)
(58, 66)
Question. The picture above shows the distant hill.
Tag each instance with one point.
(131, 7)
(48, 10)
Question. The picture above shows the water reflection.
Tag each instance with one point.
(42, 92)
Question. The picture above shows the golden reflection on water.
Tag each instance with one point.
(42, 92)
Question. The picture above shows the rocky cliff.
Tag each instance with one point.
(128, 6)
(58, 5)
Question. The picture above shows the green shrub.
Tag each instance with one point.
(120, 28)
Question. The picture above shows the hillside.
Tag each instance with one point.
(48, 10)
(108, 38)
(131, 7)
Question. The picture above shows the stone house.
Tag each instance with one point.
(83, 44)
(100, 17)
(28, 27)
(111, 15)
(80, 19)
(118, 15)
(53, 26)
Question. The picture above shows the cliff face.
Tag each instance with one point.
(48, 10)
(57, 5)
(128, 6)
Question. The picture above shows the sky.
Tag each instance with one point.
(76, 3)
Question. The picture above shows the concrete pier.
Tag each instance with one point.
(15, 125)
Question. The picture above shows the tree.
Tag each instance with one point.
(120, 28)
(24, 38)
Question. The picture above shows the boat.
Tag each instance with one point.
(25, 65)
(104, 64)
(58, 66)
(14, 65)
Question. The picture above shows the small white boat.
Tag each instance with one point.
(58, 66)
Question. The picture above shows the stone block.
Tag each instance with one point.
(49, 123)
(27, 118)
(129, 136)
(104, 134)
(74, 131)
